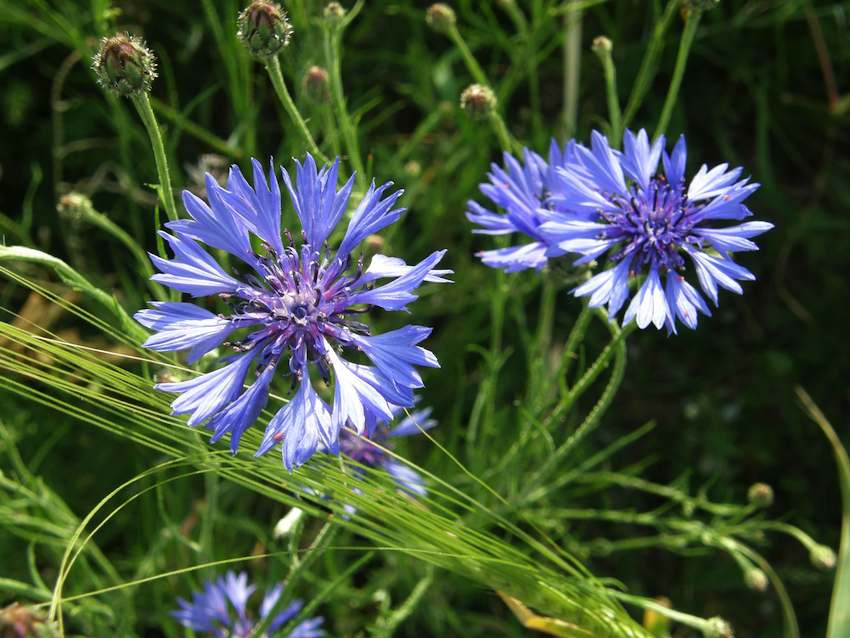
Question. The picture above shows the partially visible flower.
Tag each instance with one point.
(616, 204)
(521, 190)
(300, 308)
(221, 610)
(264, 28)
(124, 65)
(370, 448)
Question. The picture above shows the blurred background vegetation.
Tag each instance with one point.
(767, 87)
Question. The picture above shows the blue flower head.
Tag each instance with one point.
(370, 449)
(220, 610)
(617, 204)
(294, 305)
(521, 191)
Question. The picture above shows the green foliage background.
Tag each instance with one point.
(722, 398)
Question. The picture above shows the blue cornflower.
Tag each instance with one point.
(221, 610)
(521, 191)
(362, 449)
(296, 307)
(609, 202)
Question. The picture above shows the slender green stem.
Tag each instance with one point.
(472, 65)
(506, 142)
(143, 106)
(276, 76)
(573, 339)
(349, 133)
(650, 59)
(688, 620)
(614, 115)
(199, 132)
(572, 67)
(679, 71)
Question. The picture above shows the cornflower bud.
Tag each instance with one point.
(478, 101)
(316, 84)
(74, 206)
(718, 628)
(440, 17)
(601, 45)
(264, 28)
(822, 557)
(755, 579)
(760, 495)
(334, 12)
(124, 65)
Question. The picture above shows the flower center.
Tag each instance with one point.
(654, 224)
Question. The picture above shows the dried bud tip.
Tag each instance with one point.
(263, 28)
(760, 495)
(822, 557)
(124, 65)
(718, 628)
(478, 101)
(334, 12)
(73, 205)
(602, 44)
(316, 84)
(440, 17)
(755, 579)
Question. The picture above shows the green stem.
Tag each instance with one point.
(506, 142)
(650, 58)
(199, 132)
(276, 76)
(349, 134)
(572, 67)
(143, 106)
(472, 65)
(614, 115)
(679, 71)
(573, 339)
(688, 620)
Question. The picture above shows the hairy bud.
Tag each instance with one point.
(440, 17)
(264, 28)
(124, 65)
(760, 495)
(601, 45)
(74, 206)
(334, 12)
(478, 101)
(316, 84)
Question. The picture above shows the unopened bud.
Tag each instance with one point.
(440, 17)
(316, 83)
(755, 579)
(760, 495)
(73, 206)
(602, 45)
(718, 628)
(264, 28)
(124, 65)
(478, 101)
(413, 168)
(374, 243)
(822, 557)
(334, 12)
